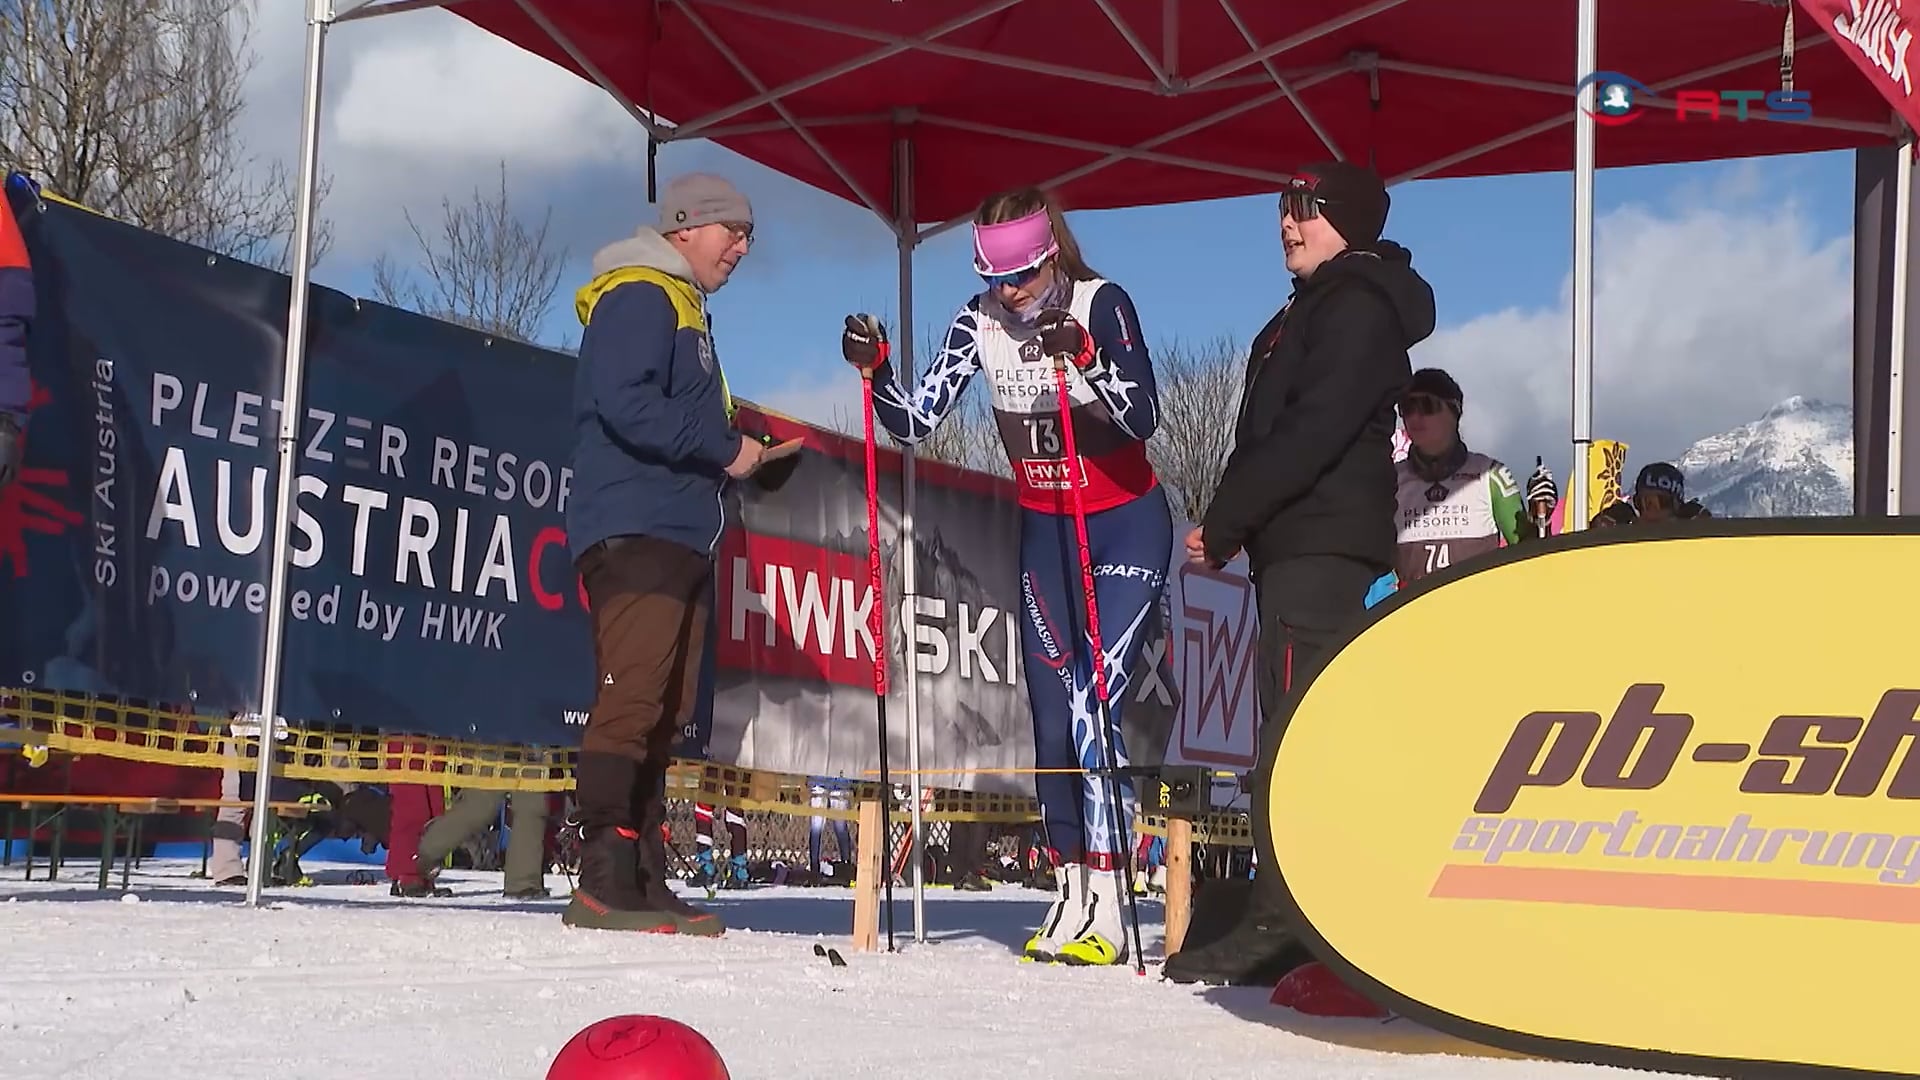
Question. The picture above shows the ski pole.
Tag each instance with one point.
(1099, 655)
(878, 625)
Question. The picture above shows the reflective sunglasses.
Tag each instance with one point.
(1299, 202)
(1018, 279)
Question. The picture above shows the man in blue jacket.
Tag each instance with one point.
(16, 318)
(655, 447)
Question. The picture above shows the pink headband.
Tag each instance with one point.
(1012, 246)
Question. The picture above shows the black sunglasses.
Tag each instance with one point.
(1299, 202)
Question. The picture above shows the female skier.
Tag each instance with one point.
(1041, 300)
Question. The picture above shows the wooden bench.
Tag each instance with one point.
(119, 815)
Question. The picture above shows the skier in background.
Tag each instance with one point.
(736, 876)
(1452, 503)
(829, 793)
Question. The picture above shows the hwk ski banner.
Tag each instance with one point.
(432, 589)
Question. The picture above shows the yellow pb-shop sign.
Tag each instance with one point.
(1651, 802)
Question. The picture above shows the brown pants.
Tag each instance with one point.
(650, 602)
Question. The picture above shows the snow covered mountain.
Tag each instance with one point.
(1796, 461)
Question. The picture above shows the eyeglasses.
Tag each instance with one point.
(1421, 405)
(740, 233)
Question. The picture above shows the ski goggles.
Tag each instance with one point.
(1299, 202)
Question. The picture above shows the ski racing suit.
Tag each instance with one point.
(1474, 507)
(1114, 408)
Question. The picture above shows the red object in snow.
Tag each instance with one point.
(637, 1048)
(1148, 103)
(1315, 990)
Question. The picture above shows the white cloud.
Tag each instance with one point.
(423, 104)
(1704, 317)
(456, 93)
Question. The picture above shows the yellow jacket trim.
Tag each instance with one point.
(689, 307)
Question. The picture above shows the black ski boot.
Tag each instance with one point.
(1258, 951)
(650, 810)
(611, 893)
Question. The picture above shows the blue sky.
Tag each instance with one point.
(1723, 287)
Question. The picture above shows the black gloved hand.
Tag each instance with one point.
(11, 444)
(1061, 334)
(864, 342)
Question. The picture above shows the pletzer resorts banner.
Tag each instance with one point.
(432, 589)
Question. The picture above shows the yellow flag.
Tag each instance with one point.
(1606, 462)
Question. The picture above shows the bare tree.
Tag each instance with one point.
(484, 269)
(1200, 388)
(133, 108)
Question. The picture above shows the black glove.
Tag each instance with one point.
(1061, 334)
(864, 342)
(11, 444)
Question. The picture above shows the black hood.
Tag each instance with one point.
(1388, 267)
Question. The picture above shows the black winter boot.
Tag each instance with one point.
(610, 896)
(1258, 951)
(649, 809)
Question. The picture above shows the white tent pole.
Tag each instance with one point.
(1583, 127)
(1897, 320)
(909, 237)
(319, 16)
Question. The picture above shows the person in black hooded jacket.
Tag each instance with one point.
(1308, 491)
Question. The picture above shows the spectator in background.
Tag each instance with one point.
(1660, 495)
(16, 322)
(1452, 503)
(472, 810)
(655, 447)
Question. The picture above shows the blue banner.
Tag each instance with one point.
(432, 591)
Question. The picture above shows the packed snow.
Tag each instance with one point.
(177, 980)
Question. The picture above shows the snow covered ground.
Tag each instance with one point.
(176, 980)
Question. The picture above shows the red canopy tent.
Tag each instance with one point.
(917, 108)
(1133, 102)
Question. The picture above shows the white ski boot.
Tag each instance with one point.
(1066, 917)
(1102, 940)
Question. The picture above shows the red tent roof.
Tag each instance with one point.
(1132, 102)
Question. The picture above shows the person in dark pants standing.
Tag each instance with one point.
(655, 448)
(1308, 492)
